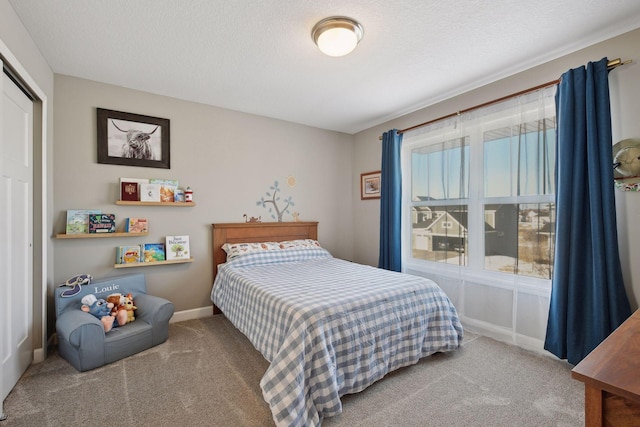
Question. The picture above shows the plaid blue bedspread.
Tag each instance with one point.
(330, 327)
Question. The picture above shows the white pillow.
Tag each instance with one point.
(234, 250)
(300, 244)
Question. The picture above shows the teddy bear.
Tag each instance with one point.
(117, 300)
(118, 310)
(100, 309)
(129, 307)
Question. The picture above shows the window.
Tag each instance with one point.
(518, 166)
(439, 195)
(481, 189)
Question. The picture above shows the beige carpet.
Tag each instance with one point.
(208, 374)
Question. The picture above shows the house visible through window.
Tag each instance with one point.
(481, 190)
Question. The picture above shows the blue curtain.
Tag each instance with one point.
(390, 202)
(588, 299)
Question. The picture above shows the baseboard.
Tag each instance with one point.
(38, 355)
(195, 313)
(487, 330)
(505, 335)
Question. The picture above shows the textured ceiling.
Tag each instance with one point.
(257, 56)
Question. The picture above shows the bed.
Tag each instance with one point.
(328, 327)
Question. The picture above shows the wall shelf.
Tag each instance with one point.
(125, 234)
(175, 204)
(150, 264)
(97, 235)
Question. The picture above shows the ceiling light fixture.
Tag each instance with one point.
(337, 35)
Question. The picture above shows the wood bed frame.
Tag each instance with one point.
(256, 232)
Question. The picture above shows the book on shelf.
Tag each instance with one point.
(152, 252)
(131, 181)
(78, 220)
(129, 191)
(177, 247)
(178, 195)
(167, 188)
(149, 192)
(136, 225)
(128, 254)
(102, 223)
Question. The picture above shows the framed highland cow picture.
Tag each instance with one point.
(132, 139)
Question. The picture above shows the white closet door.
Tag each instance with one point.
(16, 232)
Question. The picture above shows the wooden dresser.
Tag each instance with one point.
(611, 376)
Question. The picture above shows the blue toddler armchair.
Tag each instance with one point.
(82, 340)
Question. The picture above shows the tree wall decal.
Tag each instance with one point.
(273, 200)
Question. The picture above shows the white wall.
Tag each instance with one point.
(18, 50)
(625, 100)
(625, 106)
(228, 158)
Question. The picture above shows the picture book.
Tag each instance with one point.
(167, 194)
(136, 225)
(177, 247)
(167, 182)
(153, 252)
(128, 254)
(102, 223)
(167, 188)
(129, 191)
(78, 220)
(149, 192)
(137, 181)
(178, 195)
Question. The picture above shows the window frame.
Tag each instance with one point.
(473, 128)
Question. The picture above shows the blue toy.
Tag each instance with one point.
(101, 309)
(75, 283)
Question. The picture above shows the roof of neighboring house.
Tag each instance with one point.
(456, 216)
(424, 224)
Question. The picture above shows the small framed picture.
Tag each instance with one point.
(370, 185)
(132, 139)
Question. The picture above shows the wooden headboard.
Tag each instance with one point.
(257, 232)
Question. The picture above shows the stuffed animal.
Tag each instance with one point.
(75, 283)
(118, 310)
(116, 300)
(100, 309)
(129, 307)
